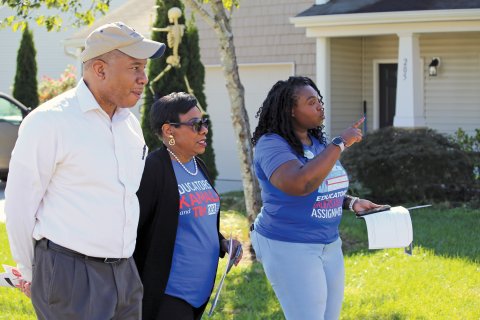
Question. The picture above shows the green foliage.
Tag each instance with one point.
(25, 84)
(228, 4)
(50, 88)
(174, 80)
(25, 11)
(467, 142)
(471, 145)
(406, 165)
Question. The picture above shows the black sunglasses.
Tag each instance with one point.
(196, 124)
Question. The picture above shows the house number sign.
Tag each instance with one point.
(405, 68)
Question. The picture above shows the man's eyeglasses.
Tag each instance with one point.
(196, 124)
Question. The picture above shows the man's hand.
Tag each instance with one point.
(24, 286)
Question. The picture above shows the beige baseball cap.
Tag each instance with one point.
(119, 36)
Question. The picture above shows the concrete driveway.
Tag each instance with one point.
(2, 201)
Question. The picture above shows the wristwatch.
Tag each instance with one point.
(339, 142)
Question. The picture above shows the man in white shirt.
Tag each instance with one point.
(71, 204)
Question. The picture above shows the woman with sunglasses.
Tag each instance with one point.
(178, 240)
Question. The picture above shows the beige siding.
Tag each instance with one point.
(268, 48)
(263, 34)
(353, 79)
(452, 99)
(257, 82)
(346, 83)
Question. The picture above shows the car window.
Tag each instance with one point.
(9, 112)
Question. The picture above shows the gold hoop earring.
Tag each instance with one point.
(171, 140)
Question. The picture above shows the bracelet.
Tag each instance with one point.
(352, 202)
(346, 201)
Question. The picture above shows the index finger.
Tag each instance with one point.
(359, 122)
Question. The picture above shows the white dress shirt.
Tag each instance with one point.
(73, 178)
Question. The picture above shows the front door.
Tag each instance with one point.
(388, 93)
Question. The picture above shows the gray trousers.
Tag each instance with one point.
(67, 286)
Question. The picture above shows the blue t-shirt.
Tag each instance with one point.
(313, 218)
(195, 256)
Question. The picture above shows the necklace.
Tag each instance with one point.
(185, 168)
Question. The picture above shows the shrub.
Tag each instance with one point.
(471, 145)
(406, 165)
(466, 142)
(50, 87)
(25, 84)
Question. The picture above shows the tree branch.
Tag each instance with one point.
(197, 8)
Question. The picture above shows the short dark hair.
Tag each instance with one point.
(275, 114)
(168, 109)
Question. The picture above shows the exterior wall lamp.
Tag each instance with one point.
(433, 66)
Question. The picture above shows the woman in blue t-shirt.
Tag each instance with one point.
(178, 239)
(304, 187)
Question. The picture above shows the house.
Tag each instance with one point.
(408, 63)
(403, 63)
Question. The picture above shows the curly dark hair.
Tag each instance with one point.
(275, 114)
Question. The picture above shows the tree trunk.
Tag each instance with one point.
(222, 27)
(240, 120)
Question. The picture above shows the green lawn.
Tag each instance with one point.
(441, 280)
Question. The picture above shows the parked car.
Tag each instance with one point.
(12, 113)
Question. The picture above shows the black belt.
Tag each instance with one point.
(56, 247)
(252, 227)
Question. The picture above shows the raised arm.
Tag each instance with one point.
(297, 179)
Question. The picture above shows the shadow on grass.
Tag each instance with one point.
(447, 232)
(233, 200)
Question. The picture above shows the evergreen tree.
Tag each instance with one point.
(196, 76)
(25, 84)
(173, 80)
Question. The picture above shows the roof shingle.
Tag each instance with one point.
(368, 6)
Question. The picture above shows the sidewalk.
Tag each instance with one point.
(2, 202)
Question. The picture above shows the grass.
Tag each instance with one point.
(14, 305)
(441, 280)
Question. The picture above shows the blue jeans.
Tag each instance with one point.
(308, 278)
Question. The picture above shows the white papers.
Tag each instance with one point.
(232, 259)
(389, 229)
(11, 277)
(217, 295)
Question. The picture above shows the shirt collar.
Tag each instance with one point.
(85, 97)
(88, 102)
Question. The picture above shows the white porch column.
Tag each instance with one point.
(323, 78)
(409, 110)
